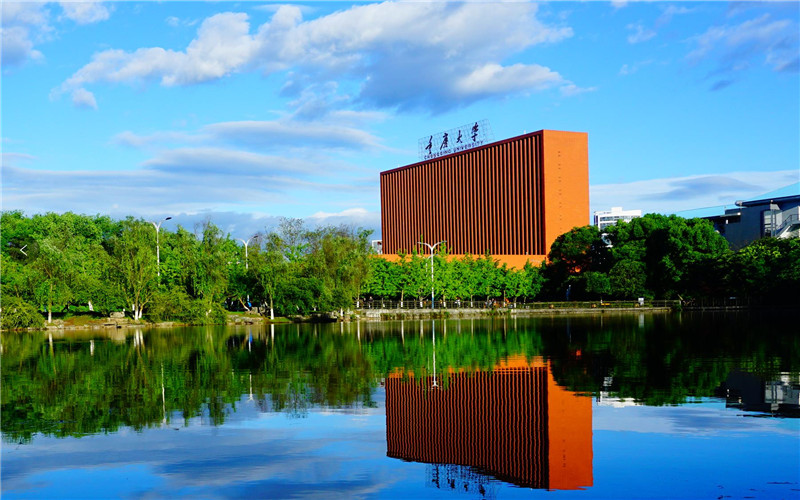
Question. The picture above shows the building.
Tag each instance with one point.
(775, 214)
(511, 198)
(607, 218)
(512, 423)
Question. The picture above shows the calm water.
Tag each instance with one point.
(635, 406)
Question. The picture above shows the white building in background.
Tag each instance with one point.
(607, 218)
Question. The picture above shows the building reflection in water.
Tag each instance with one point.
(750, 392)
(512, 423)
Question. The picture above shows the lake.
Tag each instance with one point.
(701, 405)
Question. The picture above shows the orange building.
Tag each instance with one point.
(511, 198)
(513, 423)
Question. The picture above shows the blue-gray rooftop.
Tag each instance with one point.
(784, 192)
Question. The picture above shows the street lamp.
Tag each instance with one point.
(245, 248)
(432, 248)
(158, 249)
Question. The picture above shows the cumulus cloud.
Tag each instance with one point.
(24, 24)
(494, 78)
(401, 54)
(82, 98)
(85, 12)
(773, 42)
(222, 46)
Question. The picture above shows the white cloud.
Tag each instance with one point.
(774, 42)
(17, 46)
(85, 12)
(226, 162)
(131, 139)
(182, 181)
(640, 33)
(328, 133)
(402, 54)
(9, 159)
(82, 98)
(570, 89)
(669, 12)
(28, 23)
(494, 78)
(356, 217)
(629, 69)
(222, 46)
(669, 195)
(266, 133)
(24, 25)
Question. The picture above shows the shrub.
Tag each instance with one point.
(16, 313)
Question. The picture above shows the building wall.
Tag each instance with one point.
(510, 198)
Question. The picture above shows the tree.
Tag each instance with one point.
(417, 278)
(133, 265)
(627, 279)
(269, 266)
(339, 257)
(581, 249)
(385, 278)
(670, 247)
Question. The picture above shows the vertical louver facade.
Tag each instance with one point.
(513, 423)
(512, 197)
(496, 422)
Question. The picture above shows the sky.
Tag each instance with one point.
(245, 112)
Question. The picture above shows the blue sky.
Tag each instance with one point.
(242, 112)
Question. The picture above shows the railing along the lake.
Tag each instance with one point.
(510, 305)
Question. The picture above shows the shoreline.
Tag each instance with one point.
(360, 315)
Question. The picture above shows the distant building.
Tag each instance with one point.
(775, 214)
(610, 217)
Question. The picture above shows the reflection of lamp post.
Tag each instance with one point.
(245, 248)
(433, 329)
(158, 249)
(432, 248)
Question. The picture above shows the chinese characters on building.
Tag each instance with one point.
(454, 140)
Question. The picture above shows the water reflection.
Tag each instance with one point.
(471, 406)
(513, 423)
(749, 392)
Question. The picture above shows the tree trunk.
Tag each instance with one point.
(271, 310)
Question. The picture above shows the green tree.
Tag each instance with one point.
(133, 265)
(269, 266)
(627, 279)
(672, 249)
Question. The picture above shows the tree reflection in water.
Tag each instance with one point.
(83, 383)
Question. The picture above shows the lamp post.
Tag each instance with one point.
(158, 248)
(245, 248)
(432, 248)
